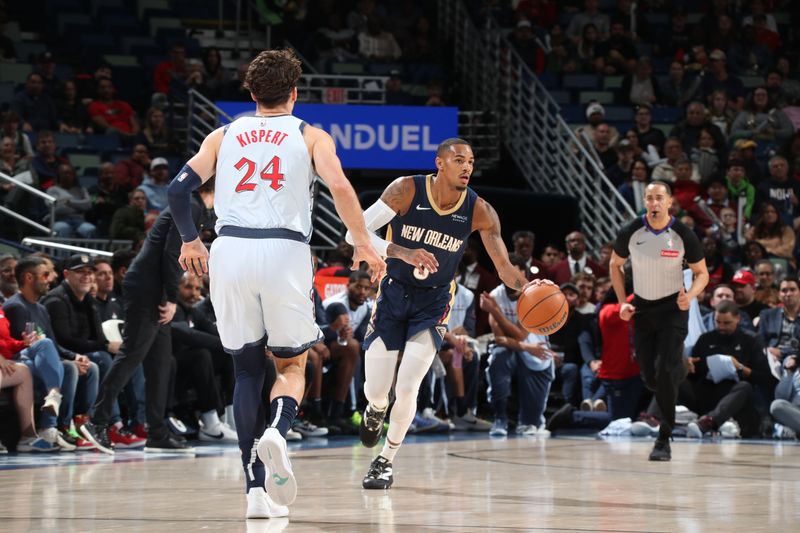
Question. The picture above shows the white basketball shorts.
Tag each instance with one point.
(262, 288)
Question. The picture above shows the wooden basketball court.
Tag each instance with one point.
(447, 483)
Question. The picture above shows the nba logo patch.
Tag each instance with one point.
(441, 330)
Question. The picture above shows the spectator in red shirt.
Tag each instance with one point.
(174, 68)
(110, 115)
(129, 173)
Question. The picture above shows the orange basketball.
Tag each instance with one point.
(542, 309)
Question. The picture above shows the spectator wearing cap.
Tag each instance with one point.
(665, 171)
(718, 78)
(739, 187)
(155, 185)
(46, 68)
(595, 114)
(110, 115)
(772, 233)
(722, 292)
(780, 190)
(35, 107)
(72, 203)
(645, 132)
(395, 95)
(616, 55)
(525, 43)
(744, 292)
(620, 172)
(577, 260)
(129, 173)
(590, 15)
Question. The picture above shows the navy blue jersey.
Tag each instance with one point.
(425, 225)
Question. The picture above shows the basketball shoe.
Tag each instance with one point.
(661, 450)
(371, 426)
(281, 483)
(97, 435)
(379, 475)
(260, 505)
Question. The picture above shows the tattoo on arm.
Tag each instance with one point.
(395, 194)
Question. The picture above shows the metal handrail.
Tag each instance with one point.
(29, 241)
(36, 192)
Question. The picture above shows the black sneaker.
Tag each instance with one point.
(561, 418)
(371, 427)
(98, 435)
(379, 475)
(168, 444)
(343, 426)
(661, 450)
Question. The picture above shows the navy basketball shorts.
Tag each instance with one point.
(401, 311)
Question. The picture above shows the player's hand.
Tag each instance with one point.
(194, 257)
(683, 300)
(420, 259)
(165, 312)
(690, 362)
(368, 254)
(626, 311)
(82, 362)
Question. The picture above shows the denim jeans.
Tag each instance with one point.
(47, 370)
(103, 361)
(79, 392)
(622, 397)
(569, 383)
(532, 386)
(69, 227)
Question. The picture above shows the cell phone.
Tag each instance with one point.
(30, 327)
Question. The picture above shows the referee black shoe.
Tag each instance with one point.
(371, 426)
(661, 450)
(379, 475)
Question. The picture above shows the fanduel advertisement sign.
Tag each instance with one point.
(377, 137)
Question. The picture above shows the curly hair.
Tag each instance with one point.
(272, 75)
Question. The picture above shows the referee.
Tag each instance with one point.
(657, 245)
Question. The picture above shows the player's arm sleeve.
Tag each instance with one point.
(375, 217)
(179, 194)
(621, 245)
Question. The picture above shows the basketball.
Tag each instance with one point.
(542, 309)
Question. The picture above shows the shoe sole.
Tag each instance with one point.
(660, 459)
(88, 436)
(367, 437)
(281, 484)
(375, 487)
(186, 451)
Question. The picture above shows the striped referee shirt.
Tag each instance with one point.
(657, 256)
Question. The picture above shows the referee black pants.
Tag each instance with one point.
(147, 342)
(659, 330)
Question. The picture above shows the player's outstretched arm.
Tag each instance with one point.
(487, 223)
(198, 170)
(329, 168)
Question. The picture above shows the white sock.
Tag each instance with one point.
(210, 419)
(389, 450)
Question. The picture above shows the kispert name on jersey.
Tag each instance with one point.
(441, 232)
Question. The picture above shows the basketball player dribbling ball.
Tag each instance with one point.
(260, 265)
(433, 214)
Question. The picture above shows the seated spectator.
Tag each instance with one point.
(77, 327)
(745, 151)
(543, 13)
(785, 408)
(524, 243)
(719, 113)
(757, 7)
(776, 91)
(675, 39)
(718, 270)
(420, 47)
(72, 204)
(45, 164)
(585, 284)
(633, 142)
(595, 114)
(155, 134)
(602, 146)
(620, 172)
(648, 135)
(35, 107)
(617, 55)
(155, 185)
(234, 90)
(377, 44)
(572, 353)
(334, 40)
(395, 94)
(665, 171)
(678, 90)
(46, 68)
(587, 49)
(739, 187)
(11, 129)
(772, 233)
(777, 329)
(129, 173)
(516, 355)
(732, 397)
(170, 70)
(551, 256)
(200, 358)
(109, 115)
(779, 190)
(688, 130)
(214, 74)
(8, 282)
(347, 313)
(11, 164)
(766, 288)
(86, 82)
(723, 34)
(523, 40)
(478, 279)
(563, 55)
(747, 56)
(762, 122)
(16, 376)
(78, 376)
(578, 260)
(632, 190)
(706, 155)
(129, 222)
(718, 78)
(744, 291)
(72, 111)
(590, 15)
(724, 292)
(684, 189)
(106, 199)
(764, 34)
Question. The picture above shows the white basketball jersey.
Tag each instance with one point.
(264, 175)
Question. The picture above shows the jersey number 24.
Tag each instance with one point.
(271, 172)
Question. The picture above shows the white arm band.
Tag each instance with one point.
(375, 217)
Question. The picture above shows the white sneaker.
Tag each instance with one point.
(526, 430)
(430, 414)
(587, 405)
(52, 403)
(219, 433)
(599, 405)
(281, 483)
(293, 436)
(53, 436)
(307, 429)
(543, 432)
(693, 431)
(730, 430)
(260, 505)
